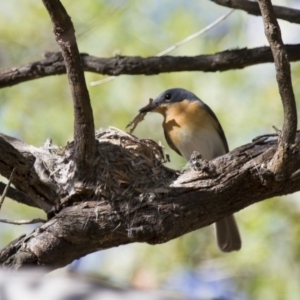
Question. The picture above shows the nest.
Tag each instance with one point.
(125, 167)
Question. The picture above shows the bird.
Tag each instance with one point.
(190, 125)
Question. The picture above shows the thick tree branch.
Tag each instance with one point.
(284, 80)
(53, 64)
(84, 121)
(196, 199)
(14, 153)
(252, 8)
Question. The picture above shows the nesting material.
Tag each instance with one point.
(139, 118)
(125, 167)
(128, 165)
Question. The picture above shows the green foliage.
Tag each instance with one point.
(246, 102)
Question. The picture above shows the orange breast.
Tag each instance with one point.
(183, 118)
(191, 128)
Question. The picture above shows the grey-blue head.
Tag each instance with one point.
(170, 96)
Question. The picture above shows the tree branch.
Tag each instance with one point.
(115, 66)
(194, 200)
(14, 153)
(252, 8)
(114, 206)
(284, 80)
(84, 122)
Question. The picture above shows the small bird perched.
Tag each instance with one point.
(190, 125)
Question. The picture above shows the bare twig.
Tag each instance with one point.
(295, 175)
(23, 222)
(175, 46)
(19, 222)
(17, 195)
(283, 76)
(84, 122)
(221, 61)
(196, 34)
(7, 187)
(252, 8)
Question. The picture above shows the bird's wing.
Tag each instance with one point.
(170, 143)
(219, 128)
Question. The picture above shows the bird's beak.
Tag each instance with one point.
(149, 107)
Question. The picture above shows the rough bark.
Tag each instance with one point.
(188, 202)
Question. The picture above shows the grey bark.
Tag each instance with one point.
(174, 204)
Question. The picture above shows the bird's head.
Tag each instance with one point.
(169, 98)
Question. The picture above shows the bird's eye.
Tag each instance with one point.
(168, 96)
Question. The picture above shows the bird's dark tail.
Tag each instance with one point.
(227, 234)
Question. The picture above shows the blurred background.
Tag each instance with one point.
(246, 102)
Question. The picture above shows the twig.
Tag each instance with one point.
(17, 195)
(252, 8)
(83, 116)
(283, 76)
(7, 187)
(23, 222)
(175, 46)
(193, 36)
(20, 222)
(295, 175)
(139, 118)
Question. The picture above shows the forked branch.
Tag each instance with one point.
(284, 80)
